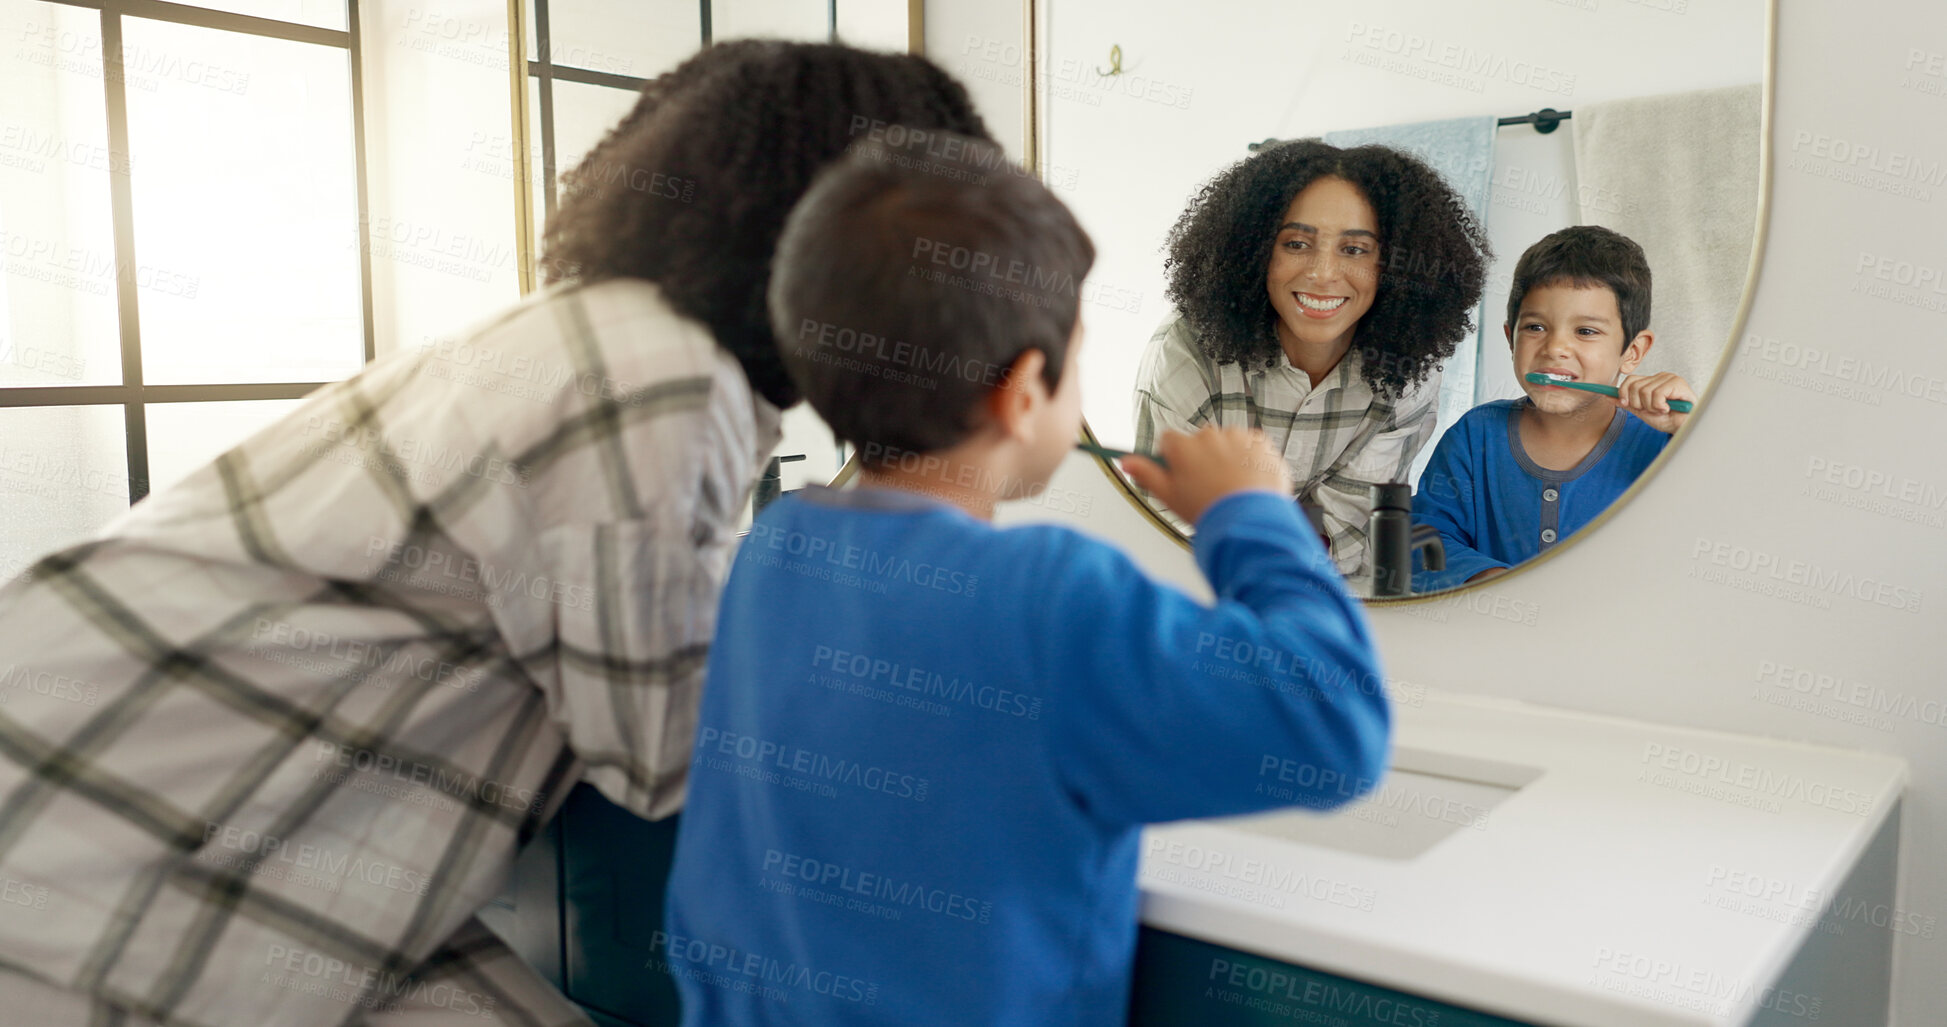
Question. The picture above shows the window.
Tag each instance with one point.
(209, 211)
(179, 190)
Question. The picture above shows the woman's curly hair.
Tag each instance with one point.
(691, 188)
(1432, 259)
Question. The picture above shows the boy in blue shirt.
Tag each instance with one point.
(927, 745)
(1512, 478)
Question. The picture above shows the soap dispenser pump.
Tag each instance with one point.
(1392, 536)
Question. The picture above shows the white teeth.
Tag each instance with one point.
(1311, 304)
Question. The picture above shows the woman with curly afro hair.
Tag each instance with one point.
(692, 195)
(495, 559)
(1317, 291)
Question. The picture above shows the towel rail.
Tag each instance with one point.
(1545, 120)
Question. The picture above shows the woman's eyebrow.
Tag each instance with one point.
(1308, 229)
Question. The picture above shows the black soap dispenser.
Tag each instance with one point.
(1391, 538)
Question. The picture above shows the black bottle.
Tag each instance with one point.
(1391, 539)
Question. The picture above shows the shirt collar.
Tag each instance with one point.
(875, 498)
(1583, 466)
(1342, 376)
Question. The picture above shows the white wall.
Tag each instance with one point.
(1840, 371)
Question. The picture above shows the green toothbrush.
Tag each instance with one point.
(1104, 451)
(1678, 406)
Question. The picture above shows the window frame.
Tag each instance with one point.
(133, 394)
(544, 71)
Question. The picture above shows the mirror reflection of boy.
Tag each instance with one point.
(928, 744)
(1512, 478)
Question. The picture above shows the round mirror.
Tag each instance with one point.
(1487, 254)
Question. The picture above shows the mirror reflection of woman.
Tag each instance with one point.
(1317, 290)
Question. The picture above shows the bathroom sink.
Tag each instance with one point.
(1534, 863)
(1425, 797)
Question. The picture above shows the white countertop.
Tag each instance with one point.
(1646, 876)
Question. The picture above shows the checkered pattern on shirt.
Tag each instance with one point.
(1338, 438)
(390, 631)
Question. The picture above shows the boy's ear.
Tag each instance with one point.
(1507, 332)
(1019, 394)
(1638, 348)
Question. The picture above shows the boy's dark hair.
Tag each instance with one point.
(1432, 259)
(691, 188)
(1587, 256)
(911, 277)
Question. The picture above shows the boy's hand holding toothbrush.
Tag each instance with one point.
(1663, 400)
(1648, 396)
(1208, 466)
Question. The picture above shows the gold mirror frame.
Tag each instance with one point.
(1766, 111)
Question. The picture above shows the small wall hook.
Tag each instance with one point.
(1115, 62)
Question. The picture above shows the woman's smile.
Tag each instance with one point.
(1321, 307)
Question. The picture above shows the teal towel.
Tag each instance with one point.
(1462, 151)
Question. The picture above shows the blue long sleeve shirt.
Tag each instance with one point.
(926, 747)
(1495, 507)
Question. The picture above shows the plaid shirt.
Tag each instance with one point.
(1338, 438)
(280, 730)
